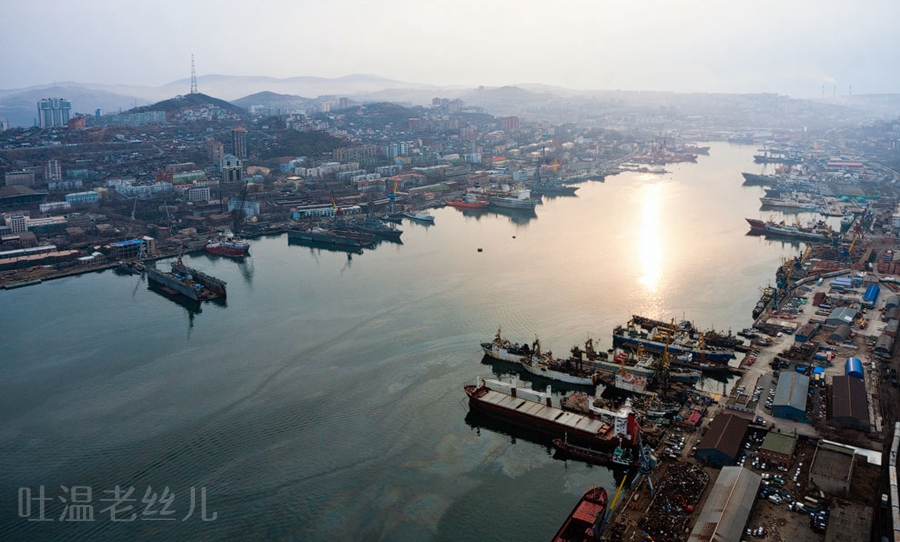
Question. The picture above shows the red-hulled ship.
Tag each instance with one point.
(600, 429)
(468, 201)
(587, 519)
(230, 248)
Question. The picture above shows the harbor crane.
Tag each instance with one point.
(237, 214)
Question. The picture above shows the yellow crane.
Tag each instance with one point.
(805, 253)
(853, 242)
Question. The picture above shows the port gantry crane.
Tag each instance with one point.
(237, 214)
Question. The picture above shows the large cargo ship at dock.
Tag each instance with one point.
(812, 232)
(600, 429)
(188, 282)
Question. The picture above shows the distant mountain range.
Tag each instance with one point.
(19, 106)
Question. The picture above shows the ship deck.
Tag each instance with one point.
(550, 414)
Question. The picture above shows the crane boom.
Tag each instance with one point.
(237, 214)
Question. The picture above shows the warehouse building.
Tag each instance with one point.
(832, 468)
(790, 397)
(721, 444)
(778, 449)
(727, 510)
(849, 405)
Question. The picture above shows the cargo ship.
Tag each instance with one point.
(677, 341)
(188, 282)
(515, 198)
(600, 429)
(587, 520)
(753, 179)
(332, 237)
(552, 187)
(768, 294)
(813, 232)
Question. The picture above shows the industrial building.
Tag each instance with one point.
(832, 468)
(841, 316)
(721, 444)
(727, 510)
(871, 296)
(853, 367)
(790, 397)
(806, 333)
(849, 405)
(883, 345)
(840, 334)
(778, 449)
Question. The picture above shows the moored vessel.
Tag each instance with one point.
(420, 216)
(468, 201)
(325, 236)
(188, 282)
(677, 341)
(601, 429)
(376, 227)
(231, 248)
(587, 520)
(511, 198)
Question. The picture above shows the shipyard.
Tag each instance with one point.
(636, 282)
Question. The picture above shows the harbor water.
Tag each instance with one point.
(323, 400)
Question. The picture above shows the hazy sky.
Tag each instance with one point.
(788, 46)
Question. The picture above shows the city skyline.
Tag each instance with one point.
(796, 48)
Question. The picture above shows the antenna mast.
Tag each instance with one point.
(193, 76)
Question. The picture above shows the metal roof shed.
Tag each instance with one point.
(850, 407)
(841, 315)
(790, 396)
(840, 334)
(727, 509)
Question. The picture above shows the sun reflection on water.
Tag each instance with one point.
(650, 250)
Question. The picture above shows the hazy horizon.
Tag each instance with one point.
(791, 47)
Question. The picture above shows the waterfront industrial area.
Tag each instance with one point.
(800, 447)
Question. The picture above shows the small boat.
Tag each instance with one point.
(421, 216)
(468, 201)
(586, 522)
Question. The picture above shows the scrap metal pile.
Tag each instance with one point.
(670, 511)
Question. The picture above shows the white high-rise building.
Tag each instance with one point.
(53, 112)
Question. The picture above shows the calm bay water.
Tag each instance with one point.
(324, 400)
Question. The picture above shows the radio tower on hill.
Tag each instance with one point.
(193, 77)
